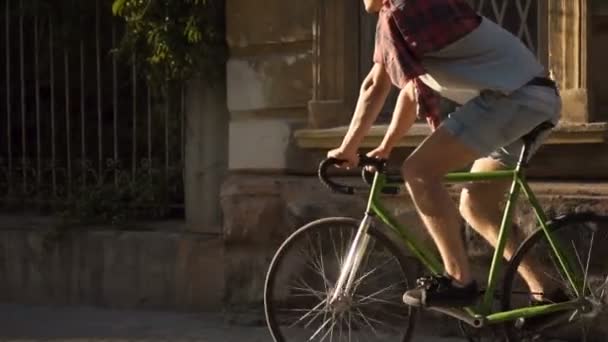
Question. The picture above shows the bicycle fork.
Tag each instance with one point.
(353, 260)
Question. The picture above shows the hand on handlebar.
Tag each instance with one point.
(363, 162)
(350, 158)
(379, 153)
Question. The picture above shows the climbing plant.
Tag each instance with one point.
(179, 39)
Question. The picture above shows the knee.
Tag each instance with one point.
(479, 201)
(470, 202)
(416, 175)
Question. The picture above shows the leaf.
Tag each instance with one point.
(118, 6)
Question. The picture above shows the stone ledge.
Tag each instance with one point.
(564, 134)
(29, 222)
(156, 269)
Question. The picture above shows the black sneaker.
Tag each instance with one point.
(441, 291)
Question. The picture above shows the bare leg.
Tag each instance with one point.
(480, 205)
(423, 172)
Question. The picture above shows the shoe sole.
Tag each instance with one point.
(411, 301)
(417, 303)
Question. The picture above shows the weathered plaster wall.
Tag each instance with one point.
(269, 79)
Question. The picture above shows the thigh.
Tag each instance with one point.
(440, 153)
(493, 123)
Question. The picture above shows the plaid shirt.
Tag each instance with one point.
(409, 29)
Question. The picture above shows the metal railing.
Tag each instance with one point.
(78, 117)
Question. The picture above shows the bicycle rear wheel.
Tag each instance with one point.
(584, 238)
(306, 267)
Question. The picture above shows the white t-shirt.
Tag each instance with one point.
(488, 58)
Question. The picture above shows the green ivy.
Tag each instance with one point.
(179, 39)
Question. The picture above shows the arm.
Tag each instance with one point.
(373, 94)
(404, 117)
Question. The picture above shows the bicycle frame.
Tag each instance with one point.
(474, 316)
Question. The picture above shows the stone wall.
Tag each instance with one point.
(269, 76)
(146, 267)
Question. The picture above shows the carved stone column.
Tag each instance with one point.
(568, 58)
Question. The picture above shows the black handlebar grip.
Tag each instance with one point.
(333, 186)
(368, 177)
(379, 165)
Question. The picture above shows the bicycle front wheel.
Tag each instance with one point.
(304, 271)
(583, 239)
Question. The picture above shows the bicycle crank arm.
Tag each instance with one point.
(461, 315)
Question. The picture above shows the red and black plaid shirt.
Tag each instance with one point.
(409, 29)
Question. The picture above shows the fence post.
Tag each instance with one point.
(206, 154)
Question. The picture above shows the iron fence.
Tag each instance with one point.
(79, 119)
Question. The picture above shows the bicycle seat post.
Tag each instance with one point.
(522, 163)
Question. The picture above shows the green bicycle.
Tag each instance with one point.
(341, 279)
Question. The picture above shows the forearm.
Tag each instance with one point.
(372, 97)
(403, 119)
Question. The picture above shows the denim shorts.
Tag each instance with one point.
(493, 123)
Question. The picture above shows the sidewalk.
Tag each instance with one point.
(28, 323)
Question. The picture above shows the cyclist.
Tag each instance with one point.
(442, 48)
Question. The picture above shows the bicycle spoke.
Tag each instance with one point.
(327, 283)
(558, 281)
(379, 291)
(585, 279)
(318, 331)
(350, 330)
(340, 328)
(369, 320)
(378, 300)
(360, 314)
(302, 310)
(315, 309)
(338, 255)
(307, 288)
(311, 264)
(318, 266)
(361, 324)
(369, 273)
(373, 320)
(584, 330)
(603, 288)
(363, 265)
(315, 260)
(329, 332)
(580, 262)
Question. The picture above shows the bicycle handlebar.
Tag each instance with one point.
(364, 161)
